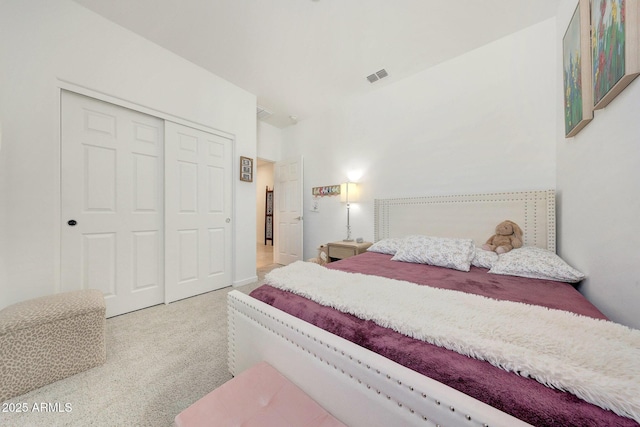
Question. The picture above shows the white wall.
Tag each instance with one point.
(43, 42)
(599, 186)
(485, 121)
(269, 142)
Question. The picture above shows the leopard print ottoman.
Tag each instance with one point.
(46, 339)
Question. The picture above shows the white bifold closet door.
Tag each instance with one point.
(198, 211)
(145, 205)
(112, 236)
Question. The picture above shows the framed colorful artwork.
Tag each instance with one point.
(614, 48)
(576, 53)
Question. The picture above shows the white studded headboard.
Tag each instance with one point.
(472, 216)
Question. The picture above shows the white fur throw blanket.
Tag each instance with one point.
(596, 360)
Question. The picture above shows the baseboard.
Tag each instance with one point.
(243, 282)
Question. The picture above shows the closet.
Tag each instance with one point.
(145, 205)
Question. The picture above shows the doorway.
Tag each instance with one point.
(264, 230)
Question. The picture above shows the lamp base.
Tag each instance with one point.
(347, 240)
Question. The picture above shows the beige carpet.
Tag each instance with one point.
(159, 361)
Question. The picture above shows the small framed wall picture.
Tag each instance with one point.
(246, 169)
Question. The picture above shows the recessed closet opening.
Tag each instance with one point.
(146, 205)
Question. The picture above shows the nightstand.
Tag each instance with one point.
(342, 250)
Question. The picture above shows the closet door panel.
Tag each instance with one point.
(112, 236)
(198, 211)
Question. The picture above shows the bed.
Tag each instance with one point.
(367, 375)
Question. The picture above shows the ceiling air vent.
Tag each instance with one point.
(263, 113)
(382, 73)
(377, 76)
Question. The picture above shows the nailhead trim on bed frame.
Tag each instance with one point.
(531, 199)
(340, 353)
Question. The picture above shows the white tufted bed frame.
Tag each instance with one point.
(362, 388)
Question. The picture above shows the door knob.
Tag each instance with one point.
(72, 222)
(228, 220)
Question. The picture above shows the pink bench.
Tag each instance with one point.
(260, 396)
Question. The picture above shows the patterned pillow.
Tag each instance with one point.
(484, 259)
(536, 263)
(440, 251)
(386, 246)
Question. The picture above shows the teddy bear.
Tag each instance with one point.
(508, 236)
(323, 256)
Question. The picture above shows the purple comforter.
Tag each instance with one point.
(521, 397)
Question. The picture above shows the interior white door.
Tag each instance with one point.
(288, 222)
(112, 203)
(198, 171)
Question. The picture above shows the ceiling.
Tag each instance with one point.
(300, 57)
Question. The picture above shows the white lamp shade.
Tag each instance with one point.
(349, 192)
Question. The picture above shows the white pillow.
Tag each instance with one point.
(536, 263)
(484, 259)
(440, 251)
(387, 246)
